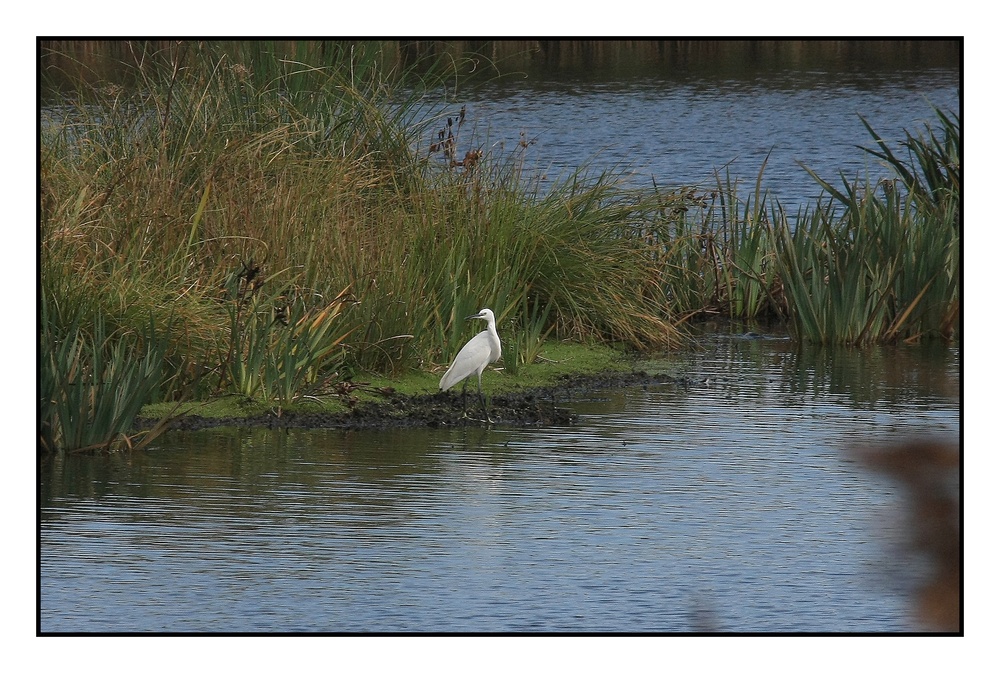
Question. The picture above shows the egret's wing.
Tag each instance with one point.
(473, 358)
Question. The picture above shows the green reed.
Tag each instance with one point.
(747, 248)
(525, 340)
(92, 386)
(717, 252)
(933, 168)
(866, 264)
(878, 263)
(281, 346)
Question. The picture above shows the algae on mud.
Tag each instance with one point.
(531, 397)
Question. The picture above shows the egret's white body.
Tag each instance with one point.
(480, 351)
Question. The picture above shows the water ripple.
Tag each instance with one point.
(730, 504)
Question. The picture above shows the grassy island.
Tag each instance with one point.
(257, 227)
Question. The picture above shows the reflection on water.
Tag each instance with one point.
(730, 503)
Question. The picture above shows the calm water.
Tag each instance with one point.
(679, 129)
(730, 503)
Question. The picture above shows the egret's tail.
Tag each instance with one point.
(449, 379)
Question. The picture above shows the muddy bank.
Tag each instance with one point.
(535, 406)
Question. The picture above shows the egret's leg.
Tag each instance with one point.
(482, 398)
(465, 407)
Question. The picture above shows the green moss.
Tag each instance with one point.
(556, 359)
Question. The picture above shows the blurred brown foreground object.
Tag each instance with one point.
(929, 471)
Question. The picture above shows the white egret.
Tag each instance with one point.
(480, 351)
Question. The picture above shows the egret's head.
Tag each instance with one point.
(485, 314)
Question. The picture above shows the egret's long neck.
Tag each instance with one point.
(491, 325)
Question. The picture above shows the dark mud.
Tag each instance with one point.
(536, 406)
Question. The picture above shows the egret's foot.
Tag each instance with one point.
(467, 417)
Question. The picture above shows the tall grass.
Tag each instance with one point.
(869, 263)
(879, 263)
(233, 194)
(280, 346)
(92, 386)
(311, 168)
(718, 252)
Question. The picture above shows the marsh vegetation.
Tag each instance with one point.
(267, 221)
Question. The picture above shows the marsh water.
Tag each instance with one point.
(729, 500)
(682, 129)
